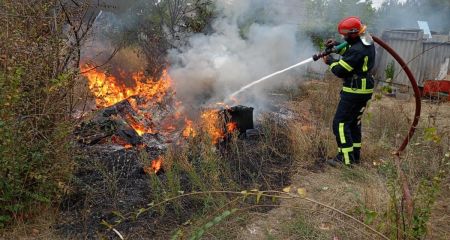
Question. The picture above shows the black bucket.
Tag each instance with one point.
(241, 115)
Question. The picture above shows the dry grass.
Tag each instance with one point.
(40, 228)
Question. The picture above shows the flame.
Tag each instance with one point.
(134, 104)
(189, 131)
(231, 126)
(139, 90)
(108, 90)
(212, 124)
(155, 166)
(121, 141)
(137, 126)
(210, 120)
(140, 130)
(170, 128)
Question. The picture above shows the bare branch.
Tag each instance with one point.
(104, 63)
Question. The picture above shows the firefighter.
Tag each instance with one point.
(354, 65)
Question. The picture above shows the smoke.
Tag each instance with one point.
(395, 14)
(247, 42)
(249, 39)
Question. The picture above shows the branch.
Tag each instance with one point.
(104, 63)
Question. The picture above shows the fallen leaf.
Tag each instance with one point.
(301, 192)
(287, 189)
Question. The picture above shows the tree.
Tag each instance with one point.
(324, 15)
(153, 27)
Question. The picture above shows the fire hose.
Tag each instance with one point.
(413, 81)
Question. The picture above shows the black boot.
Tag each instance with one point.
(339, 160)
(356, 156)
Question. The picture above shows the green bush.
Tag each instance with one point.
(390, 70)
(35, 158)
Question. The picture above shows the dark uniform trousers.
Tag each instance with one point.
(347, 126)
(356, 62)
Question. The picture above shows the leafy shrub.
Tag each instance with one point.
(35, 154)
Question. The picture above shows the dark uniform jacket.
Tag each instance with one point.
(354, 66)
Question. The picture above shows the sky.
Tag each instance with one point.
(377, 3)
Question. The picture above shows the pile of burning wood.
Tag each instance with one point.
(139, 112)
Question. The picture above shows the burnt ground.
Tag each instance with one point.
(108, 178)
(110, 182)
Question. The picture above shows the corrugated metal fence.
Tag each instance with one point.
(424, 56)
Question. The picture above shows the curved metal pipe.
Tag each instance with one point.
(413, 81)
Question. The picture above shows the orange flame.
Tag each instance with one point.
(189, 130)
(121, 141)
(231, 126)
(108, 90)
(137, 126)
(212, 124)
(155, 166)
(210, 120)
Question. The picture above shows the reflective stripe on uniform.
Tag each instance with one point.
(357, 91)
(333, 65)
(341, 133)
(366, 61)
(345, 65)
(357, 145)
(345, 152)
(363, 84)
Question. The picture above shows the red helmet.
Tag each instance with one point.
(351, 26)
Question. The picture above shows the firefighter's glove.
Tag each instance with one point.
(328, 60)
(330, 43)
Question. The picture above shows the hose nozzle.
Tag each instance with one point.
(329, 51)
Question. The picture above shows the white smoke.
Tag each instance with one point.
(237, 52)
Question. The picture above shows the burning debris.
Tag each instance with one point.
(115, 122)
(134, 102)
(138, 112)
